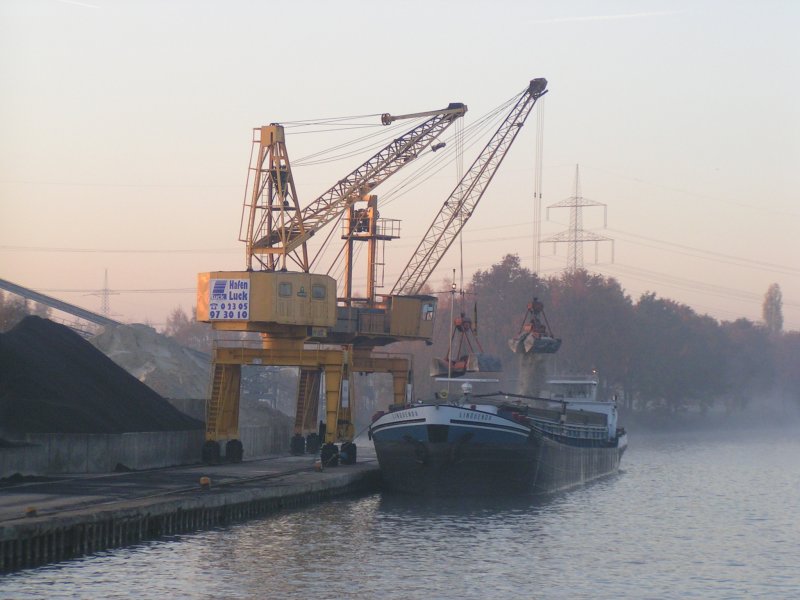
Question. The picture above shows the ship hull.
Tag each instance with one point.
(449, 450)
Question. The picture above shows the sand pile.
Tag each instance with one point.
(178, 372)
(172, 370)
(54, 381)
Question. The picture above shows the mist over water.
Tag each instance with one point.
(705, 515)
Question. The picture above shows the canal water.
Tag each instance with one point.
(690, 516)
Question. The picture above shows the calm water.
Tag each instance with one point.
(688, 517)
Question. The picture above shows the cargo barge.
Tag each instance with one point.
(500, 443)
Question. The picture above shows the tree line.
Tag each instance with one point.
(653, 353)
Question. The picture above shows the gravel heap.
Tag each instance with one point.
(54, 381)
(172, 370)
(181, 373)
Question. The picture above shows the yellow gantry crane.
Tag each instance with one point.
(294, 311)
(299, 319)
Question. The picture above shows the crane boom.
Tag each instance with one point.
(388, 119)
(461, 203)
(291, 235)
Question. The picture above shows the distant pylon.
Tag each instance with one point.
(105, 296)
(105, 303)
(575, 236)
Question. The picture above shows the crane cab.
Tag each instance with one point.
(254, 300)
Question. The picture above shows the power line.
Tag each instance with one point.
(128, 291)
(690, 284)
(119, 250)
(471, 135)
(119, 185)
(691, 251)
(696, 194)
(717, 255)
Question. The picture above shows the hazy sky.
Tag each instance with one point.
(125, 132)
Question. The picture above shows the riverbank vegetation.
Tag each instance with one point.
(662, 360)
(655, 355)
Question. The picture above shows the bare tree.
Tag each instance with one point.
(14, 308)
(188, 331)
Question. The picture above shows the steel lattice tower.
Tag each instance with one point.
(105, 304)
(576, 236)
(105, 296)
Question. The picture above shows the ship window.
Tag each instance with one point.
(427, 311)
(318, 292)
(284, 289)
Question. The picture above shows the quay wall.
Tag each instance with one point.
(42, 540)
(62, 453)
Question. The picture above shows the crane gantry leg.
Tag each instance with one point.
(399, 367)
(306, 438)
(222, 410)
(317, 365)
(222, 414)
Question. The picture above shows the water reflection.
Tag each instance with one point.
(687, 517)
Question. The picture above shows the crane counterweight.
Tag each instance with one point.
(454, 108)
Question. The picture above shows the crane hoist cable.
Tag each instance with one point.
(537, 186)
(418, 175)
(311, 122)
(334, 128)
(326, 155)
(459, 176)
(323, 247)
(470, 134)
(382, 135)
(473, 134)
(461, 203)
(340, 266)
(278, 228)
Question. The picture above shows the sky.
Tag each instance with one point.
(125, 134)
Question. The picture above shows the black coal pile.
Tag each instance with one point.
(54, 381)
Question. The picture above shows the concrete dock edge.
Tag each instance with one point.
(37, 540)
